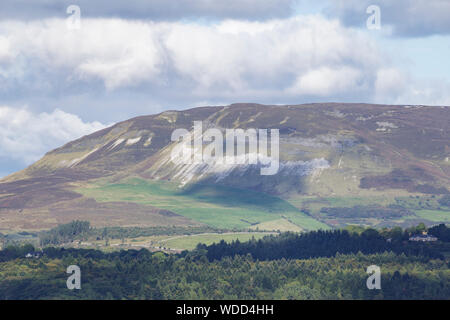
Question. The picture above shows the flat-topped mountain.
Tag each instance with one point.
(339, 164)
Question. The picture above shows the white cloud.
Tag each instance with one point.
(398, 87)
(206, 60)
(27, 136)
(125, 53)
(326, 81)
(117, 51)
(5, 50)
(241, 56)
(176, 64)
(427, 91)
(390, 82)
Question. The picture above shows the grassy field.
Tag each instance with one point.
(190, 242)
(233, 208)
(218, 206)
(434, 215)
(164, 242)
(282, 225)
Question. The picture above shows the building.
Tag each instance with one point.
(35, 255)
(423, 238)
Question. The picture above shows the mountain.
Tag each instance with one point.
(340, 164)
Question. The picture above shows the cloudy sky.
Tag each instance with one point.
(62, 77)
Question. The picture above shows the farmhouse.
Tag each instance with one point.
(35, 255)
(423, 238)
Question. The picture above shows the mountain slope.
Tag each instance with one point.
(374, 164)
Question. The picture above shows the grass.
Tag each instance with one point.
(306, 222)
(190, 242)
(214, 205)
(282, 225)
(234, 208)
(183, 242)
(434, 215)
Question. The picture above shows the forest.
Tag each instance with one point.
(315, 265)
(328, 243)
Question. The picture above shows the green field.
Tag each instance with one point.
(214, 205)
(190, 242)
(233, 208)
(434, 215)
(282, 225)
(165, 242)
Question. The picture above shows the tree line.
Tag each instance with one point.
(329, 243)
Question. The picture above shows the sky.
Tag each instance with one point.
(69, 68)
